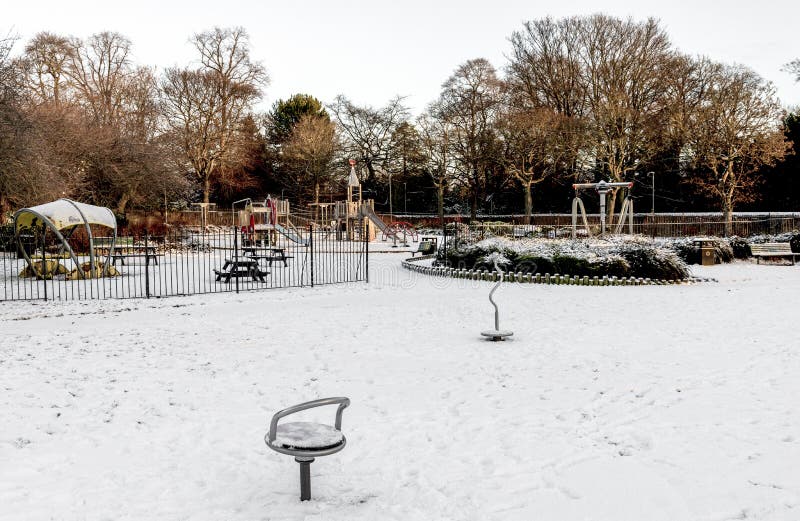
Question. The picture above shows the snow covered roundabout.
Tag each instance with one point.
(624, 403)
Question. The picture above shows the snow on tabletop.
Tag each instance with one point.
(627, 403)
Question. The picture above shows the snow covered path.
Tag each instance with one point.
(617, 403)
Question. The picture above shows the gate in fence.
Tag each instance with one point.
(183, 262)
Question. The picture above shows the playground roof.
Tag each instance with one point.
(64, 214)
(352, 180)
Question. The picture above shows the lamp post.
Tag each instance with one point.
(391, 214)
(653, 194)
(405, 199)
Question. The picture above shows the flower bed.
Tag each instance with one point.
(613, 257)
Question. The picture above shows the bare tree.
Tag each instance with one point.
(624, 64)
(44, 67)
(99, 70)
(469, 101)
(435, 134)
(545, 68)
(205, 107)
(368, 131)
(537, 144)
(793, 67)
(310, 153)
(735, 132)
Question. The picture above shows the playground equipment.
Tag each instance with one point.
(307, 440)
(62, 218)
(400, 229)
(352, 215)
(348, 219)
(261, 222)
(602, 189)
(496, 334)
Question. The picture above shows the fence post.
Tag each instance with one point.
(366, 256)
(311, 251)
(146, 263)
(43, 271)
(235, 258)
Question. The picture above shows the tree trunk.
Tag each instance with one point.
(473, 205)
(316, 201)
(528, 203)
(370, 170)
(123, 204)
(440, 202)
(610, 207)
(727, 215)
(207, 188)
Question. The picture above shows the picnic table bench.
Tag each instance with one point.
(773, 249)
(270, 254)
(132, 252)
(240, 267)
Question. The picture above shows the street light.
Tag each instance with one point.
(391, 215)
(653, 198)
(405, 200)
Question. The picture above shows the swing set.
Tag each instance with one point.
(602, 188)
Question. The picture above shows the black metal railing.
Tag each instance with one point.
(181, 262)
(660, 226)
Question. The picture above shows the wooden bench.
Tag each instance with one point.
(426, 247)
(773, 249)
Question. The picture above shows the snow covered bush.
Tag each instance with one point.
(740, 247)
(621, 257)
(688, 249)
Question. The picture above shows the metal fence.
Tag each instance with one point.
(181, 262)
(558, 227)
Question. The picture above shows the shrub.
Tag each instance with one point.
(571, 265)
(617, 257)
(654, 263)
(740, 248)
(534, 264)
(794, 242)
(613, 266)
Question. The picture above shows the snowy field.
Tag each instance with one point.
(617, 403)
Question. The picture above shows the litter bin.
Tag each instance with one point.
(708, 256)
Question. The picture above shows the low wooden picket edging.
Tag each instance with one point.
(538, 278)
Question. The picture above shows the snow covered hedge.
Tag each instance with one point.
(726, 249)
(617, 256)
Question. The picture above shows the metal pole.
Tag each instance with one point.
(235, 258)
(391, 214)
(305, 478)
(311, 250)
(602, 213)
(146, 264)
(653, 205)
(366, 257)
(43, 271)
(405, 199)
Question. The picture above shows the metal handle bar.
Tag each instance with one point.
(343, 403)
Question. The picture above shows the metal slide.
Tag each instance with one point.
(372, 216)
(290, 235)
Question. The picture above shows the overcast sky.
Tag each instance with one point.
(373, 50)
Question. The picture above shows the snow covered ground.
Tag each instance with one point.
(616, 403)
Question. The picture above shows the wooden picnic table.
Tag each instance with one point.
(270, 254)
(133, 251)
(241, 267)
